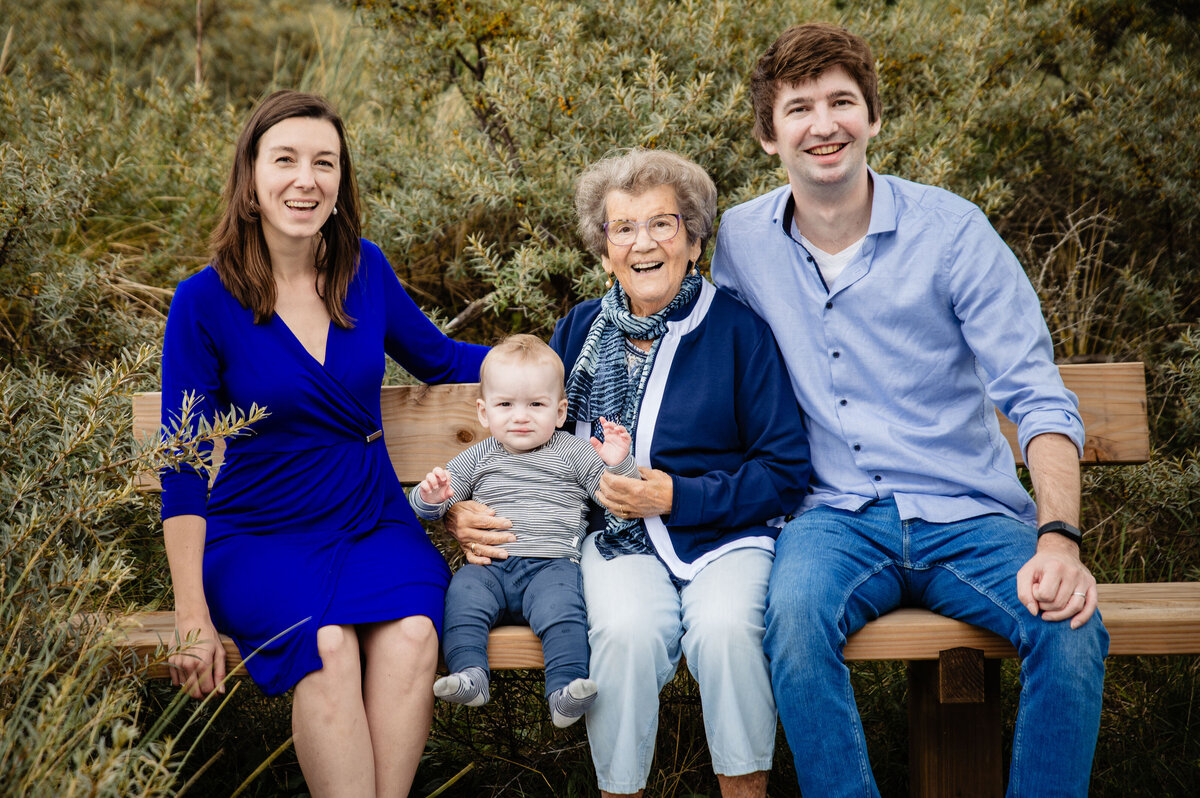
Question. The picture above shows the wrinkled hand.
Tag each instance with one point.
(478, 531)
(1055, 583)
(637, 498)
(617, 442)
(199, 666)
(435, 488)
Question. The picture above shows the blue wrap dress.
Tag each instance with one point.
(307, 524)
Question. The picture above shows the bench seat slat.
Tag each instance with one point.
(1161, 618)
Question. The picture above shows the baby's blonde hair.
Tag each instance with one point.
(521, 349)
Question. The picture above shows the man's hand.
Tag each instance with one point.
(200, 666)
(478, 531)
(637, 498)
(1055, 582)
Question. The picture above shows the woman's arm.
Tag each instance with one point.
(764, 468)
(190, 367)
(415, 342)
(200, 664)
(478, 531)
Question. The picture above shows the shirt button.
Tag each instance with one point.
(878, 478)
(829, 306)
(810, 259)
(837, 354)
(857, 448)
(842, 403)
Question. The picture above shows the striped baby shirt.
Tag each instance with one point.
(544, 492)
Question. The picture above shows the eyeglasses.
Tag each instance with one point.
(624, 232)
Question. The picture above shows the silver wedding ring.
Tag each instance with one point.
(1077, 593)
(473, 548)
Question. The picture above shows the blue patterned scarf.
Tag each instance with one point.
(600, 384)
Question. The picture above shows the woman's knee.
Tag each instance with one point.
(411, 642)
(338, 647)
(724, 635)
(626, 631)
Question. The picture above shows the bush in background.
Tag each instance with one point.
(1069, 122)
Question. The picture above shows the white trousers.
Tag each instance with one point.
(639, 625)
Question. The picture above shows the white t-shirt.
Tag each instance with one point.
(830, 264)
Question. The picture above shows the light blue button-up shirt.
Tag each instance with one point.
(900, 363)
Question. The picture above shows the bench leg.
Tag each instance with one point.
(954, 726)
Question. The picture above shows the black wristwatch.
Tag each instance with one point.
(1064, 529)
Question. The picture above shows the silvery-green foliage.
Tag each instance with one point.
(509, 101)
(1039, 112)
(69, 712)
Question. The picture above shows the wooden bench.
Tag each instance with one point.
(954, 668)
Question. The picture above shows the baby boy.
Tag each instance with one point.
(540, 479)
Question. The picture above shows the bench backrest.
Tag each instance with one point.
(425, 426)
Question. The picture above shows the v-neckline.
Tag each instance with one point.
(324, 359)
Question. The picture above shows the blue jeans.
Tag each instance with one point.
(546, 593)
(836, 570)
(640, 625)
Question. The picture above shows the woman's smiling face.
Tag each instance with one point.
(651, 272)
(296, 176)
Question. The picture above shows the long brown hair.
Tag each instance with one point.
(240, 253)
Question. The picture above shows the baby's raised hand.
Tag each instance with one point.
(435, 488)
(617, 441)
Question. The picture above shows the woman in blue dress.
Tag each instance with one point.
(306, 552)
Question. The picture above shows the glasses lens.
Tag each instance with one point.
(663, 227)
(623, 232)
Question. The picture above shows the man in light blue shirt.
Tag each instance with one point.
(905, 322)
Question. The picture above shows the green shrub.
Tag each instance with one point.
(70, 714)
(1069, 122)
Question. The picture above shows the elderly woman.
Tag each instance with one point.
(680, 562)
(305, 551)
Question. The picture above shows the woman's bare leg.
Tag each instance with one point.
(398, 690)
(329, 723)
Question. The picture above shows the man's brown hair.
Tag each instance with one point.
(803, 53)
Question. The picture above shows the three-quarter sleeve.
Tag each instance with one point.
(411, 339)
(190, 366)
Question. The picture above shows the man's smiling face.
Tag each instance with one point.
(822, 128)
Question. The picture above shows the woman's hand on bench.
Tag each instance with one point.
(199, 665)
(478, 531)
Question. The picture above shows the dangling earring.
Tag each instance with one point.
(608, 283)
(335, 210)
(695, 269)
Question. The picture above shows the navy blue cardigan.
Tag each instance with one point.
(720, 417)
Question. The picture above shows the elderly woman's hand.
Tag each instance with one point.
(637, 498)
(478, 531)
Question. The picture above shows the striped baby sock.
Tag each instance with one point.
(469, 686)
(567, 704)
